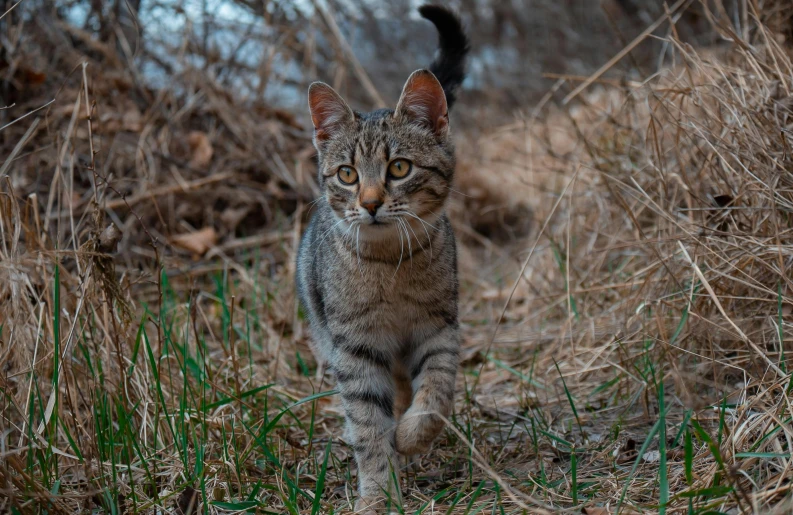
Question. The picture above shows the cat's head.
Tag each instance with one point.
(388, 165)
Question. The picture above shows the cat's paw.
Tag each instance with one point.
(415, 432)
(365, 506)
(372, 506)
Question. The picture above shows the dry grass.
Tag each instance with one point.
(630, 354)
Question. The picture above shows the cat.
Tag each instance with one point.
(377, 265)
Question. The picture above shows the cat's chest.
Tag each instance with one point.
(389, 295)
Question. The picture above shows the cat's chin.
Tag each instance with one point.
(379, 231)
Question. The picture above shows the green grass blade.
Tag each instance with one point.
(688, 454)
(516, 373)
(229, 400)
(653, 431)
(663, 480)
(712, 446)
(569, 398)
(316, 505)
(763, 455)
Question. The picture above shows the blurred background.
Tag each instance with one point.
(269, 51)
(624, 212)
(189, 91)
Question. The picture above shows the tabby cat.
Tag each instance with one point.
(377, 266)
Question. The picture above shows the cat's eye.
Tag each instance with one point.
(399, 168)
(348, 175)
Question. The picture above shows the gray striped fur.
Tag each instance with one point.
(380, 290)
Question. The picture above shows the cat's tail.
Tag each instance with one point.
(449, 65)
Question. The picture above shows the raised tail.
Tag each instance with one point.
(449, 65)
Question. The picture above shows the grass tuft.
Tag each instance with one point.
(152, 358)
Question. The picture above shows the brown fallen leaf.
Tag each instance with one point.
(33, 77)
(200, 149)
(231, 217)
(626, 452)
(187, 502)
(675, 454)
(651, 457)
(109, 239)
(198, 242)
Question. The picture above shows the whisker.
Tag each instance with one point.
(311, 205)
(407, 235)
(401, 252)
(347, 234)
(429, 239)
(414, 215)
(458, 192)
(418, 240)
(357, 248)
(326, 233)
(315, 201)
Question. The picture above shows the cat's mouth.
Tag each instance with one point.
(375, 222)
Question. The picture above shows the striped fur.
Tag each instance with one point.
(380, 289)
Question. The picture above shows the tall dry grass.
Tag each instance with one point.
(631, 354)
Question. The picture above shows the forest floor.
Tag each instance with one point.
(626, 296)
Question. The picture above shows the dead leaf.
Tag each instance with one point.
(198, 242)
(33, 77)
(231, 217)
(651, 456)
(471, 356)
(200, 149)
(675, 454)
(187, 502)
(109, 239)
(626, 452)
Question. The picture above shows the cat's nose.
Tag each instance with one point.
(372, 205)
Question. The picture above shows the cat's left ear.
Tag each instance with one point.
(329, 112)
(423, 101)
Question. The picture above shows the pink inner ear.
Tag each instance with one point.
(328, 110)
(424, 101)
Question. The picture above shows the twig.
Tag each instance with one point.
(11, 9)
(716, 301)
(622, 53)
(356, 65)
(166, 190)
(90, 130)
(520, 277)
(19, 145)
(9, 124)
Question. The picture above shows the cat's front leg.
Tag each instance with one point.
(364, 380)
(433, 367)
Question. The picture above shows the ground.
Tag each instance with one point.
(626, 305)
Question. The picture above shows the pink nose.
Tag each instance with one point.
(372, 205)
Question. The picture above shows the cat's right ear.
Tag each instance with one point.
(329, 111)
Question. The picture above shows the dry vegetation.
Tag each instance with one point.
(630, 354)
